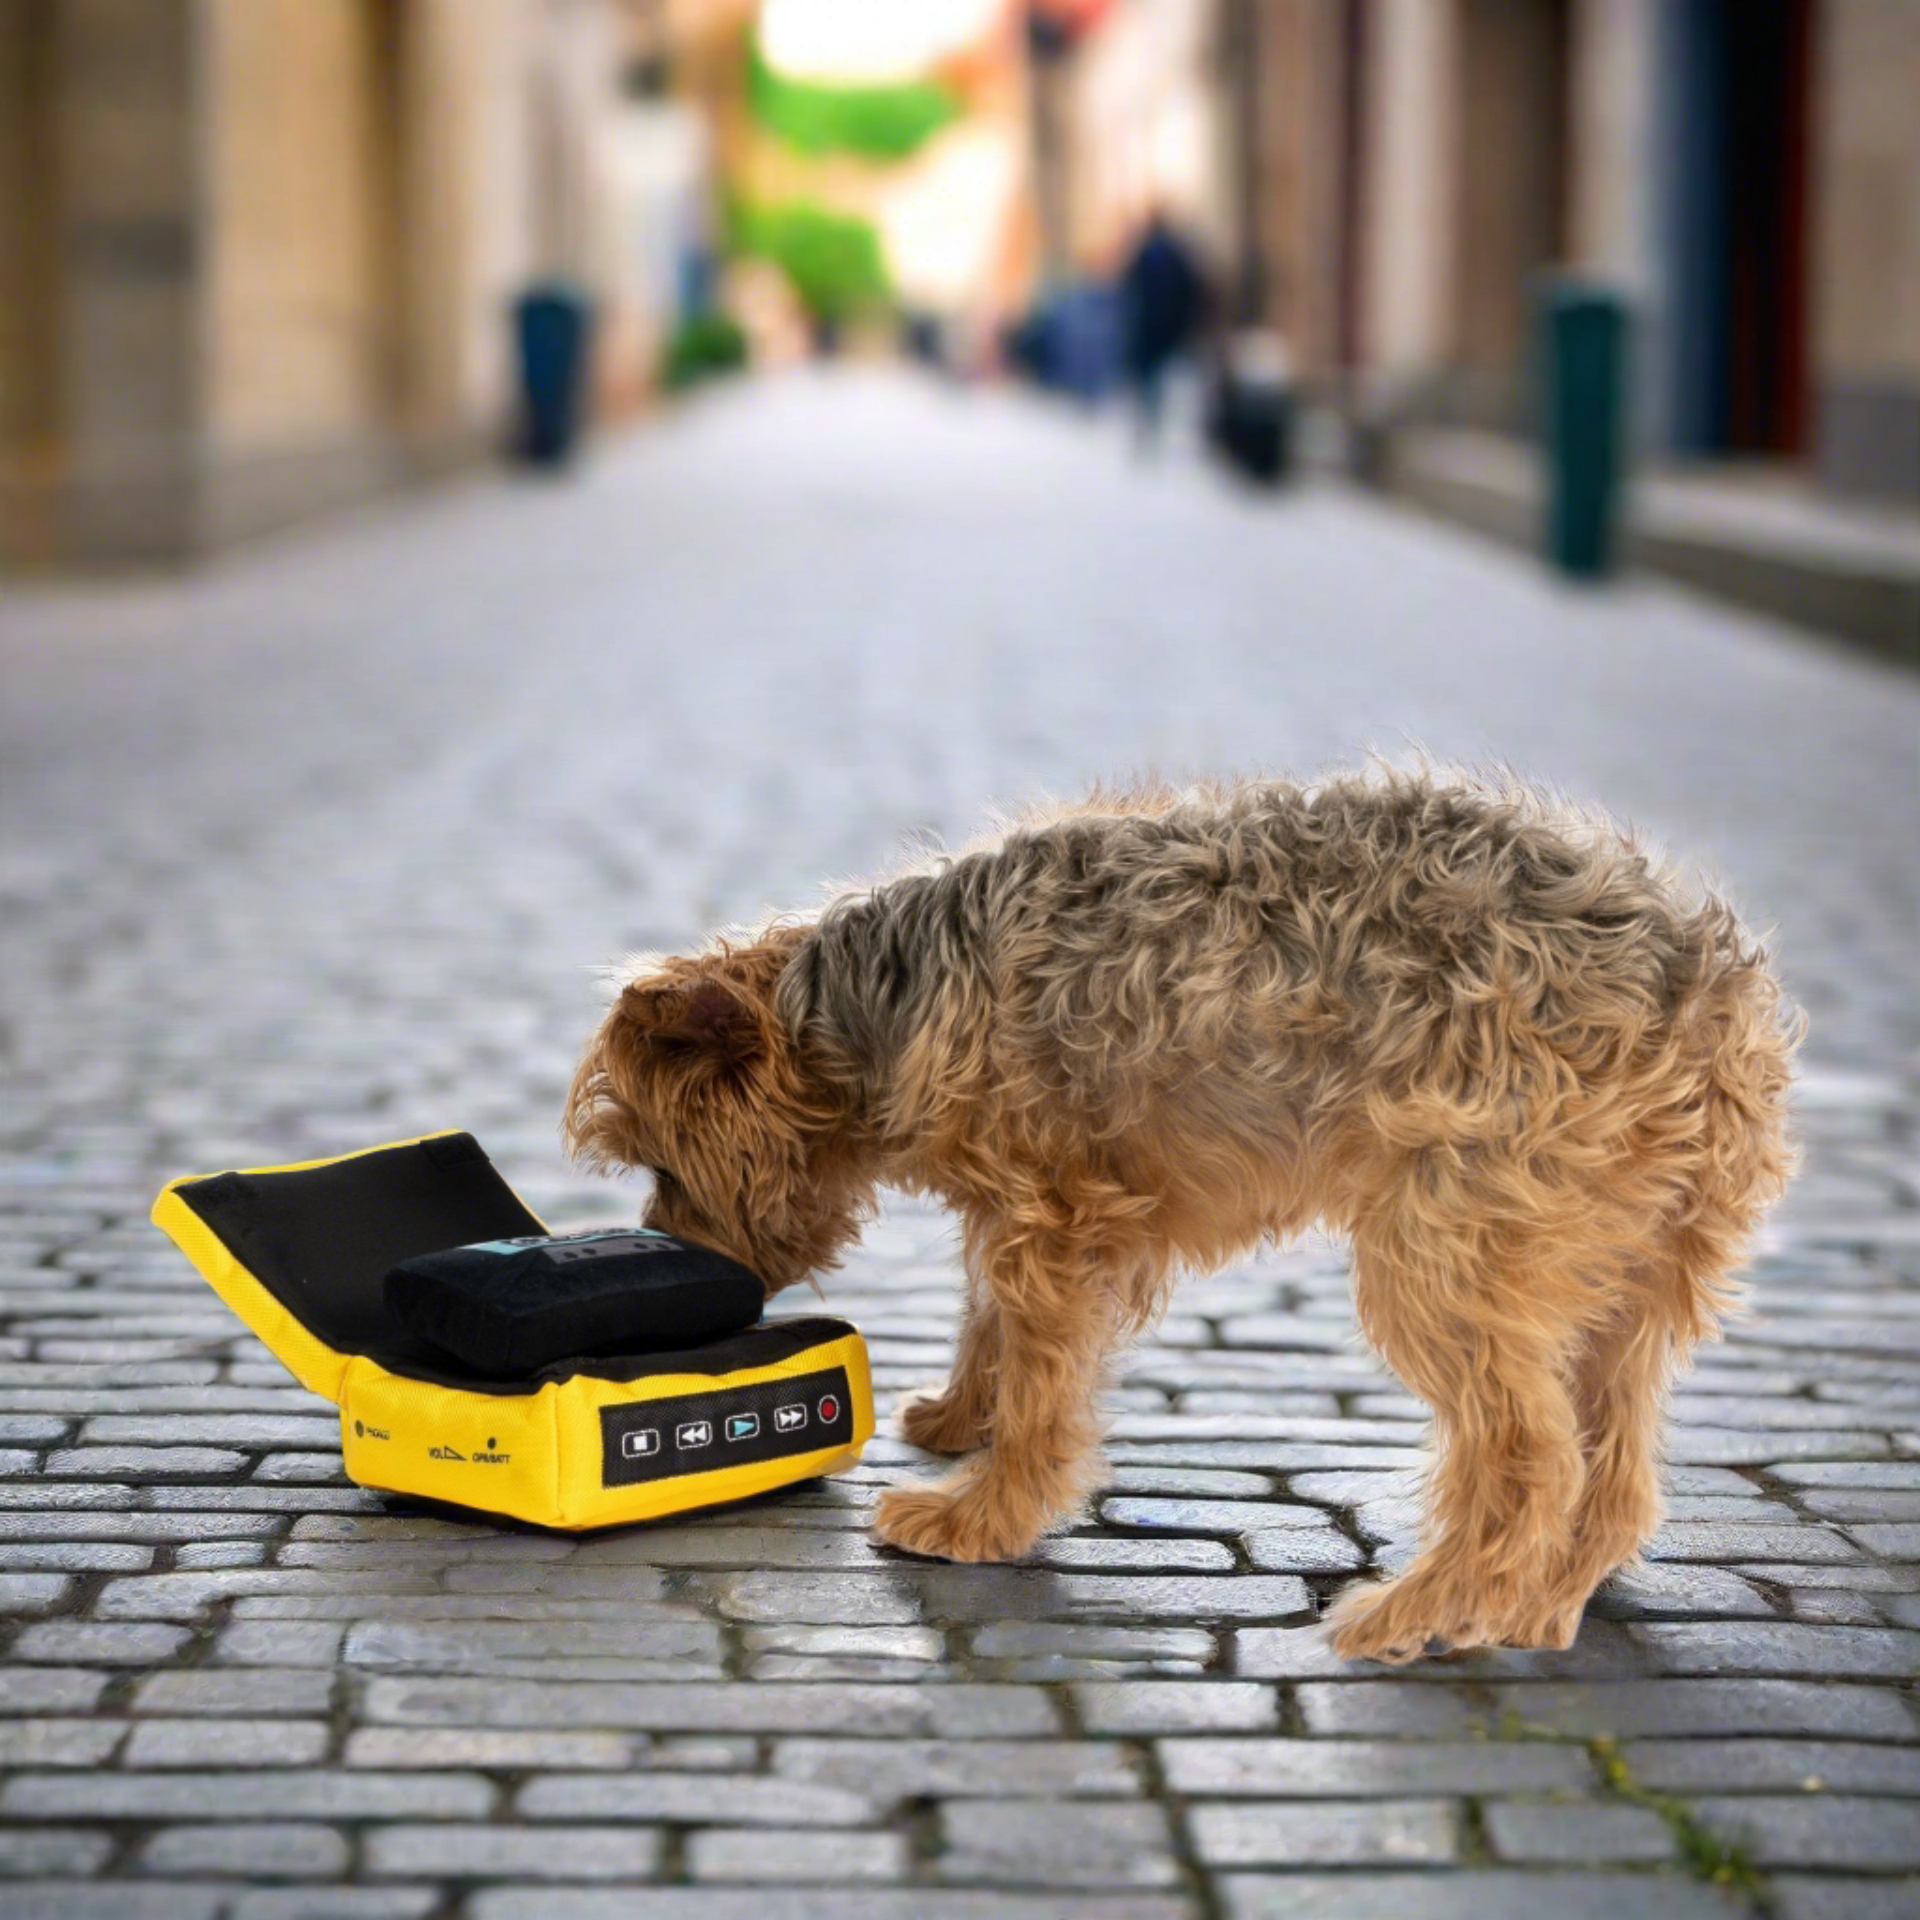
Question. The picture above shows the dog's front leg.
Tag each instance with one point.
(954, 1418)
(1051, 1296)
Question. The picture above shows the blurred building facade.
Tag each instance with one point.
(1129, 121)
(256, 255)
(1747, 172)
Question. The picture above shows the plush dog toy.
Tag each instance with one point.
(573, 1380)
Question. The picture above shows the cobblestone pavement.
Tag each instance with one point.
(317, 850)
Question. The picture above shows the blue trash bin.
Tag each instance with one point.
(1583, 357)
(552, 325)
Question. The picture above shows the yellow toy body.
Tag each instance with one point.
(298, 1251)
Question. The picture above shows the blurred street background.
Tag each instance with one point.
(488, 485)
(259, 257)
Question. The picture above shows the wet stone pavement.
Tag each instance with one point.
(318, 848)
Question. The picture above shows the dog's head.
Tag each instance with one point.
(694, 1076)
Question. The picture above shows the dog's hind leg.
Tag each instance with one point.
(1674, 1296)
(1481, 1318)
(1717, 1142)
(1621, 1392)
(1052, 1277)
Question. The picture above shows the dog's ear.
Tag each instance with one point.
(704, 1026)
(676, 1044)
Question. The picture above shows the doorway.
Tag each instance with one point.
(1738, 74)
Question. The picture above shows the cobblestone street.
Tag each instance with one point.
(320, 848)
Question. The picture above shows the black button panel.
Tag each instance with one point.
(725, 1427)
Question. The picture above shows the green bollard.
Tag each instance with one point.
(1583, 358)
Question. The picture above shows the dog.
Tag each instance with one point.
(1487, 1036)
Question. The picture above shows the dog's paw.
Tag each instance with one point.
(1395, 1621)
(1375, 1622)
(936, 1422)
(953, 1521)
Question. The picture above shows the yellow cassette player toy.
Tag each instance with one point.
(572, 1380)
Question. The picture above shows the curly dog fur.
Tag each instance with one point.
(1483, 1034)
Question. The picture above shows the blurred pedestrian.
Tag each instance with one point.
(1163, 296)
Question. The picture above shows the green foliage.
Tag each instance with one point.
(882, 123)
(701, 346)
(833, 260)
(1705, 1854)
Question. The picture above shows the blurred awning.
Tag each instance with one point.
(1057, 24)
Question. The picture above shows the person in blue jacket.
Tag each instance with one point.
(1164, 302)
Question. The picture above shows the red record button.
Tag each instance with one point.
(829, 1409)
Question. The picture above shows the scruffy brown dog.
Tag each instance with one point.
(1480, 1033)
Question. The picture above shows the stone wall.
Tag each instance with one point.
(131, 242)
(1866, 211)
(1411, 169)
(28, 318)
(256, 255)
